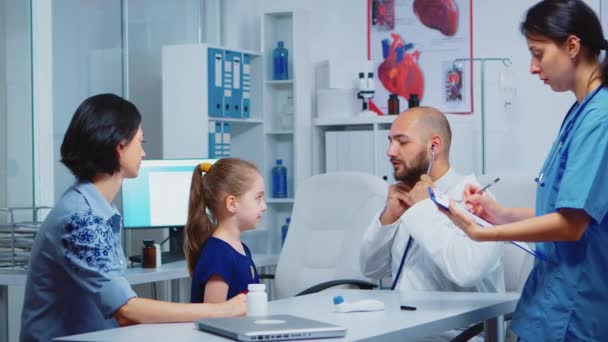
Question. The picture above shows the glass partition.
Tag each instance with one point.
(16, 137)
(87, 60)
(150, 25)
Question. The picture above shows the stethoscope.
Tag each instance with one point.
(564, 133)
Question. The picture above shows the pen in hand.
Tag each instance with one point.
(487, 186)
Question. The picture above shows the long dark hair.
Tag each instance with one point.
(208, 191)
(557, 20)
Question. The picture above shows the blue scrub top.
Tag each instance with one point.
(566, 299)
(219, 258)
(76, 274)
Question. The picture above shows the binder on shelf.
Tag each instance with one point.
(246, 104)
(215, 139)
(232, 82)
(215, 74)
(226, 132)
(219, 139)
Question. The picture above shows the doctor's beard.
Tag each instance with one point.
(410, 176)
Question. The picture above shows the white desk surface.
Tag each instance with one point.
(138, 275)
(437, 312)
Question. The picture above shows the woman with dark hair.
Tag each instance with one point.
(565, 296)
(76, 276)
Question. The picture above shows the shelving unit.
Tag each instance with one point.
(286, 139)
(258, 138)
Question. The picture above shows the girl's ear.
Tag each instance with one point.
(231, 204)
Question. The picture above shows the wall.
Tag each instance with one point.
(338, 29)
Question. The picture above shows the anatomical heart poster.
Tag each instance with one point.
(415, 45)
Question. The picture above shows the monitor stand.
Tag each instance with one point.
(176, 247)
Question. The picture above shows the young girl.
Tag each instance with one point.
(226, 198)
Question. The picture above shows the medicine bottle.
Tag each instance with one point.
(257, 300)
(148, 254)
(413, 101)
(393, 104)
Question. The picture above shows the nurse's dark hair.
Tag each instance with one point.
(208, 192)
(557, 20)
(98, 126)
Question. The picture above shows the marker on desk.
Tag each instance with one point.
(487, 186)
(361, 305)
(408, 308)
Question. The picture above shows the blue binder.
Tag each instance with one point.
(232, 84)
(226, 132)
(215, 139)
(215, 67)
(246, 104)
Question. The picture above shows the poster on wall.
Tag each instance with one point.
(415, 45)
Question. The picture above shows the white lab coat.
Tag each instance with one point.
(441, 257)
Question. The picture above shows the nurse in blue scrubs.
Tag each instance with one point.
(565, 297)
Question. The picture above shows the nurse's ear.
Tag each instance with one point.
(573, 47)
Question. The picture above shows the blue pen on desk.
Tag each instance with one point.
(487, 186)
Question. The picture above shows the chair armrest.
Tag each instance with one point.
(266, 276)
(362, 284)
(474, 330)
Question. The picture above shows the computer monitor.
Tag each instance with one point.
(158, 197)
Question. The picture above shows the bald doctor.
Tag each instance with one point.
(410, 240)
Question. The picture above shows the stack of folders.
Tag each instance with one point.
(219, 139)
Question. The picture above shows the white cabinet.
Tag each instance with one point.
(333, 154)
(271, 130)
(187, 96)
(352, 144)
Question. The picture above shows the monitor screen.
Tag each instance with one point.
(158, 197)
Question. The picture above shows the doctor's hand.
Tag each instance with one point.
(420, 191)
(463, 221)
(396, 203)
(483, 205)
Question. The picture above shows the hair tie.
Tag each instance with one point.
(205, 167)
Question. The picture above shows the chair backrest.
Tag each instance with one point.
(330, 216)
(514, 190)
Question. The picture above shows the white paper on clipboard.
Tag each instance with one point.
(443, 201)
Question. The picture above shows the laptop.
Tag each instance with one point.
(270, 328)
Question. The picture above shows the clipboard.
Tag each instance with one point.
(443, 200)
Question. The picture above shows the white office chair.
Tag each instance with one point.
(330, 215)
(513, 190)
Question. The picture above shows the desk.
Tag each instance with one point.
(12, 288)
(437, 311)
